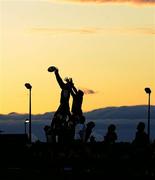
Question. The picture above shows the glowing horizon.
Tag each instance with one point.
(108, 50)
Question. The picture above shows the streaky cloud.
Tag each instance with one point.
(150, 31)
(95, 30)
(144, 2)
(64, 30)
(135, 30)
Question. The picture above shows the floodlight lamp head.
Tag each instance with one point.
(148, 90)
(28, 86)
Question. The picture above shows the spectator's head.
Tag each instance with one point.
(141, 126)
(111, 128)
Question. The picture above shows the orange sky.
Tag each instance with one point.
(108, 48)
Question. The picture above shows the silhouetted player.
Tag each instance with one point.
(63, 111)
(77, 101)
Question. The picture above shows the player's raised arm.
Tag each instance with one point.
(57, 75)
(59, 79)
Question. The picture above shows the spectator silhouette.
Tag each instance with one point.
(111, 135)
(141, 138)
(90, 125)
(48, 134)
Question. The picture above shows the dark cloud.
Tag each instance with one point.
(88, 91)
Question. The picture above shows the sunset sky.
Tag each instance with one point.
(106, 46)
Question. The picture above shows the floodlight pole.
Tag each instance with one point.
(25, 127)
(148, 91)
(149, 116)
(30, 131)
(28, 86)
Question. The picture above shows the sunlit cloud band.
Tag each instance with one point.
(144, 2)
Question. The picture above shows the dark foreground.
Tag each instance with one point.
(20, 160)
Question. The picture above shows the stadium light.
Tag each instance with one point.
(148, 91)
(29, 87)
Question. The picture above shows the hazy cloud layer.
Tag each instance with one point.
(93, 30)
(149, 2)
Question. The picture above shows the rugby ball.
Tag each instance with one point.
(51, 69)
